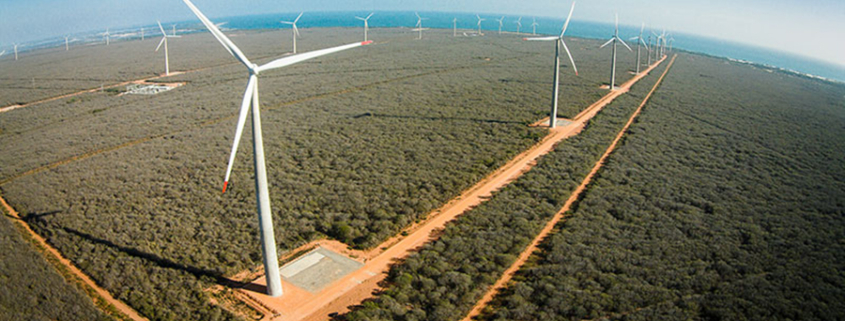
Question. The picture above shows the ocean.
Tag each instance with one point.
(547, 26)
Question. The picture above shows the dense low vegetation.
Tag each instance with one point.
(31, 289)
(727, 202)
(359, 145)
(446, 277)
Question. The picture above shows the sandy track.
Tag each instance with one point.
(104, 296)
(523, 257)
(354, 288)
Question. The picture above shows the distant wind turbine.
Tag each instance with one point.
(295, 29)
(67, 43)
(534, 25)
(174, 30)
(16, 51)
(419, 25)
(614, 40)
(500, 24)
(142, 33)
(518, 24)
(250, 99)
(106, 36)
(558, 43)
(479, 24)
(163, 41)
(366, 24)
(649, 48)
(640, 41)
(454, 27)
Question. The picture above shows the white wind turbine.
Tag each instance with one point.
(295, 29)
(518, 24)
(640, 42)
(250, 103)
(163, 41)
(419, 25)
(500, 24)
(174, 29)
(558, 43)
(454, 27)
(479, 24)
(67, 43)
(106, 36)
(16, 50)
(614, 40)
(534, 25)
(142, 33)
(366, 24)
(648, 49)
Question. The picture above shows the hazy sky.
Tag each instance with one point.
(814, 28)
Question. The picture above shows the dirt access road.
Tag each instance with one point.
(523, 257)
(128, 313)
(354, 288)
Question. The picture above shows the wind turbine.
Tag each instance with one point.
(419, 25)
(106, 36)
(250, 99)
(174, 29)
(454, 27)
(500, 24)
(648, 49)
(16, 51)
(558, 43)
(67, 43)
(518, 24)
(640, 41)
(295, 29)
(614, 40)
(479, 24)
(163, 41)
(142, 33)
(534, 25)
(366, 24)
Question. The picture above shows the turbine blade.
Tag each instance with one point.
(287, 61)
(245, 104)
(160, 27)
(359, 18)
(565, 25)
(570, 56)
(163, 39)
(233, 50)
(541, 38)
(371, 14)
(626, 45)
(297, 18)
(607, 43)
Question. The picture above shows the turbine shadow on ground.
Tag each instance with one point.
(199, 273)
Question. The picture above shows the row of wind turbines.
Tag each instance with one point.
(250, 102)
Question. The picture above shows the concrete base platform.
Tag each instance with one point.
(317, 269)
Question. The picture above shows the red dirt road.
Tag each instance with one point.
(352, 289)
(523, 257)
(103, 294)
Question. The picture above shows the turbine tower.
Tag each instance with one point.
(142, 33)
(534, 25)
(648, 49)
(163, 41)
(67, 43)
(454, 27)
(558, 43)
(479, 24)
(16, 51)
(419, 25)
(250, 102)
(174, 30)
(500, 24)
(106, 36)
(295, 29)
(366, 24)
(614, 40)
(518, 24)
(640, 41)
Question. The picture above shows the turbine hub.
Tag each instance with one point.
(253, 69)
